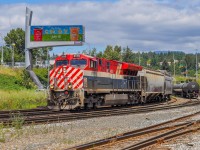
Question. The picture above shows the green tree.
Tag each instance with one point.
(165, 66)
(127, 55)
(41, 53)
(117, 52)
(93, 52)
(108, 52)
(100, 55)
(112, 54)
(15, 39)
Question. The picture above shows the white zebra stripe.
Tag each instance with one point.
(69, 76)
(62, 83)
(60, 70)
(68, 69)
(78, 82)
(75, 77)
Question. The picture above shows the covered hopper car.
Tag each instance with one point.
(82, 81)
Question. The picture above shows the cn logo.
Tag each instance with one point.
(193, 86)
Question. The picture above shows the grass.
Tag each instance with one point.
(17, 121)
(22, 99)
(2, 133)
(178, 79)
(9, 71)
(15, 79)
(42, 74)
(8, 82)
(17, 91)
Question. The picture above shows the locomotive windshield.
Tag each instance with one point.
(61, 62)
(78, 62)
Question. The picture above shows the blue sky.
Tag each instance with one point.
(143, 25)
(47, 1)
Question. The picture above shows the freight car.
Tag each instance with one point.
(82, 81)
(187, 89)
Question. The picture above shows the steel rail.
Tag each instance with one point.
(41, 112)
(123, 137)
(31, 112)
(44, 109)
(165, 136)
(75, 116)
(138, 132)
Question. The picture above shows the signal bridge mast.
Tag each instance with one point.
(49, 36)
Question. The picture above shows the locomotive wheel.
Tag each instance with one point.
(98, 103)
(143, 101)
(90, 104)
(169, 97)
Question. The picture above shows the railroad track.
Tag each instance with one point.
(146, 137)
(44, 115)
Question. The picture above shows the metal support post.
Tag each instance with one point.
(196, 66)
(28, 54)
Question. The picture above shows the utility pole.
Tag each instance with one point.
(174, 65)
(13, 53)
(2, 49)
(196, 66)
(1, 55)
(139, 57)
(48, 65)
(186, 69)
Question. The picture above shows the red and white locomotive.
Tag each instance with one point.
(79, 81)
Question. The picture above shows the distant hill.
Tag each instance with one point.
(165, 52)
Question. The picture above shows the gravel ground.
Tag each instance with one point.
(190, 141)
(187, 142)
(64, 135)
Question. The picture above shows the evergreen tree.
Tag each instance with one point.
(165, 66)
(127, 55)
(112, 54)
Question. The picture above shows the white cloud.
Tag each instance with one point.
(139, 24)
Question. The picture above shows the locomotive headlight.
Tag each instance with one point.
(70, 86)
(51, 86)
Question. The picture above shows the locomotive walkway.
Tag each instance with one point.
(37, 116)
(146, 137)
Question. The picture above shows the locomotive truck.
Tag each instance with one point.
(82, 81)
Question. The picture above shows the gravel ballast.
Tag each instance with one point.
(64, 135)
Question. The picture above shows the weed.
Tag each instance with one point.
(71, 126)
(14, 85)
(2, 133)
(68, 141)
(42, 74)
(17, 120)
(23, 99)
